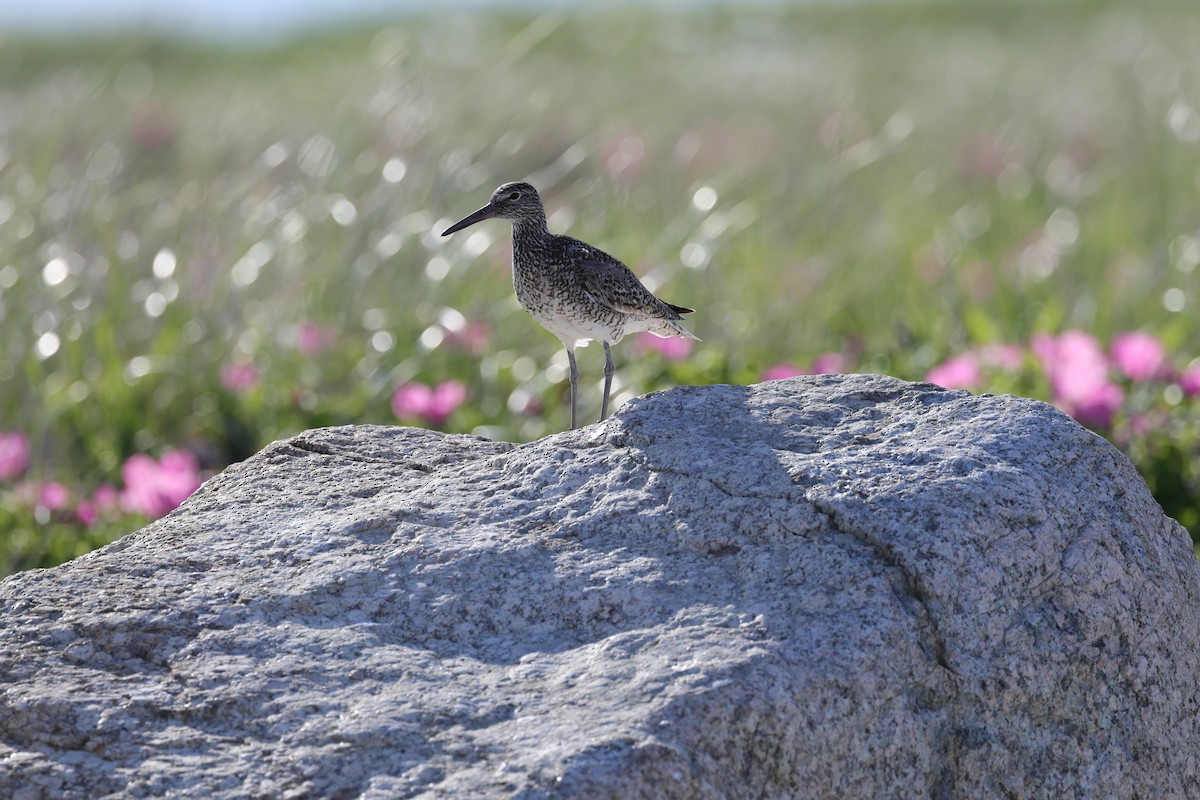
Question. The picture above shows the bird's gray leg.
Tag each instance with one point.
(574, 375)
(609, 369)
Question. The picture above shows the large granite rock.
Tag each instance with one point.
(821, 587)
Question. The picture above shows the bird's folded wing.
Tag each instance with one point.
(614, 285)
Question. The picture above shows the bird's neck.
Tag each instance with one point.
(530, 237)
(530, 228)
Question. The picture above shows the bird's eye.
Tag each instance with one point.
(514, 195)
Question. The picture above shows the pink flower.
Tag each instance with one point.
(418, 401)
(1074, 364)
(673, 348)
(959, 372)
(154, 488)
(1078, 374)
(1139, 355)
(1100, 406)
(411, 400)
(780, 371)
(103, 502)
(827, 363)
(53, 496)
(239, 377)
(86, 512)
(448, 396)
(14, 455)
(1189, 381)
(1004, 356)
(313, 339)
(106, 498)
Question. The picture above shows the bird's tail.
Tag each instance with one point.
(666, 328)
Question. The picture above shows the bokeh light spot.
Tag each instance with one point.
(394, 170)
(155, 304)
(374, 318)
(437, 268)
(342, 210)
(705, 198)
(382, 341)
(388, 245)
(55, 272)
(431, 337)
(164, 263)
(78, 391)
(193, 331)
(524, 368)
(137, 367)
(1184, 122)
(47, 345)
(694, 255)
(245, 270)
(293, 227)
(1184, 252)
(451, 319)
(275, 155)
(1063, 227)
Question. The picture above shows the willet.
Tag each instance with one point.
(576, 291)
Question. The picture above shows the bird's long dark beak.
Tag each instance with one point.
(487, 212)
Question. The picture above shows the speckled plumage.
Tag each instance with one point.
(576, 291)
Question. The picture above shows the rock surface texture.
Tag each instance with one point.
(834, 586)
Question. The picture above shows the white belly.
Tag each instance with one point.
(577, 329)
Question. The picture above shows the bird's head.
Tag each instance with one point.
(517, 202)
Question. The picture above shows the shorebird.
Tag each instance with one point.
(577, 292)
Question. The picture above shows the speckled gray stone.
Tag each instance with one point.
(825, 586)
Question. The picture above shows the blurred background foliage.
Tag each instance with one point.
(206, 246)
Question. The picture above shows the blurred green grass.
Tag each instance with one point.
(896, 183)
